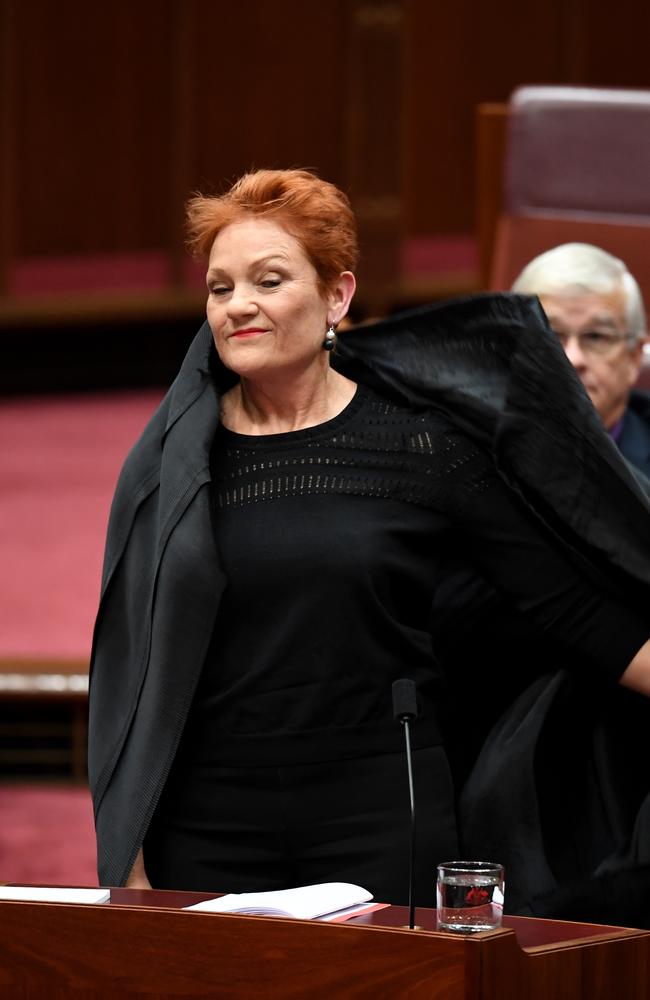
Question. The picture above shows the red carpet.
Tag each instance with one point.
(60, 459)
(46, 835)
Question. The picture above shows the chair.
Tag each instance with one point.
(577, 169)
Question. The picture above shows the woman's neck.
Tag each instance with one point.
(266, 408)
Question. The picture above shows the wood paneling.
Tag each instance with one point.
(112, 116)
(268, 88)
(142, 945)
(375, 100)
(610, 43)
(7, 134)
(91, 157)
(459, 55)
(491, 132)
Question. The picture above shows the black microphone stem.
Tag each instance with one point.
(405, 708)
(409, 764)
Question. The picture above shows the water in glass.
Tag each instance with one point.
(470, 901)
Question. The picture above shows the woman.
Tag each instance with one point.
(278, 539)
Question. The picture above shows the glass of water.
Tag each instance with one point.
(470, 896)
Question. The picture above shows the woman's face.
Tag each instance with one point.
(265, 309)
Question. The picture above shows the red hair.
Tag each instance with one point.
(313, 211)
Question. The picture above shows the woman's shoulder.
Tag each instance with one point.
(428, 440)
(412, 420)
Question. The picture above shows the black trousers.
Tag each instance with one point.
(244, 829)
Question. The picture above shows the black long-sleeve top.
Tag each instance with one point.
(335, 541)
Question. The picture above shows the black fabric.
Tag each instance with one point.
(502, 376)
(238, 829)
(491, 366)
(347, 524)
(327, 539)
(559, 793)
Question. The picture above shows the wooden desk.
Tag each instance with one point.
(142, 944)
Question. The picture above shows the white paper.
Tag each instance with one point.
(307, 902)
(352, 911)
(38, 894)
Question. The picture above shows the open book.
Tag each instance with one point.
(328, 901)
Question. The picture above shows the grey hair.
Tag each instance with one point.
(581, 267)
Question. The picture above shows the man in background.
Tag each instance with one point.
(595, 307)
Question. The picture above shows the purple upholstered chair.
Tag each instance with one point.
(577, 169)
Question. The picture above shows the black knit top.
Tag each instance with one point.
(334, 540)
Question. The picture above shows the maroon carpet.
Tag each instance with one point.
(46, 835)
(60, 457)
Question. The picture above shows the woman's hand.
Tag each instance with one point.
(138, 877)
(637, 675)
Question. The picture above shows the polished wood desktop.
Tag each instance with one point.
(143, 944)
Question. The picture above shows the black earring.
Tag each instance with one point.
(330, 338)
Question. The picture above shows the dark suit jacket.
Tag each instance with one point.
(634, 441)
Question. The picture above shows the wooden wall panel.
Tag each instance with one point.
(119, 112)
(606, 44)
(91, 146)
(459, 55)
(7, 138)
(269, 88)
(374, 104)
(464, 53)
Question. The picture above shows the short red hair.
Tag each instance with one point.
(313, 211)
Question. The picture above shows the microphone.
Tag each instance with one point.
(405, 708)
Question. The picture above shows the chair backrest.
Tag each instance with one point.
(577, 169)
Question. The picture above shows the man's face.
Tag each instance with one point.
(593, 331)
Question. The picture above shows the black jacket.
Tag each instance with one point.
(488, 362)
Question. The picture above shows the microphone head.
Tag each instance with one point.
(405, 703)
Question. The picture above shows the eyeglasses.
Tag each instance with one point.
(595, 342)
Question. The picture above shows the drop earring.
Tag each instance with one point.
(330, 338)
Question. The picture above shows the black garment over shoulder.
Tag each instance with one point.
(334, 541)
(491, 366)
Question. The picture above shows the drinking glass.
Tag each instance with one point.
(470, 896)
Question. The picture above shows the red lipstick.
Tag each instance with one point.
(249, 331)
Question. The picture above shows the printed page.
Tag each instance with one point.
(305, 902)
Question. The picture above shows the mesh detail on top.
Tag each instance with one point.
(374, 448)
